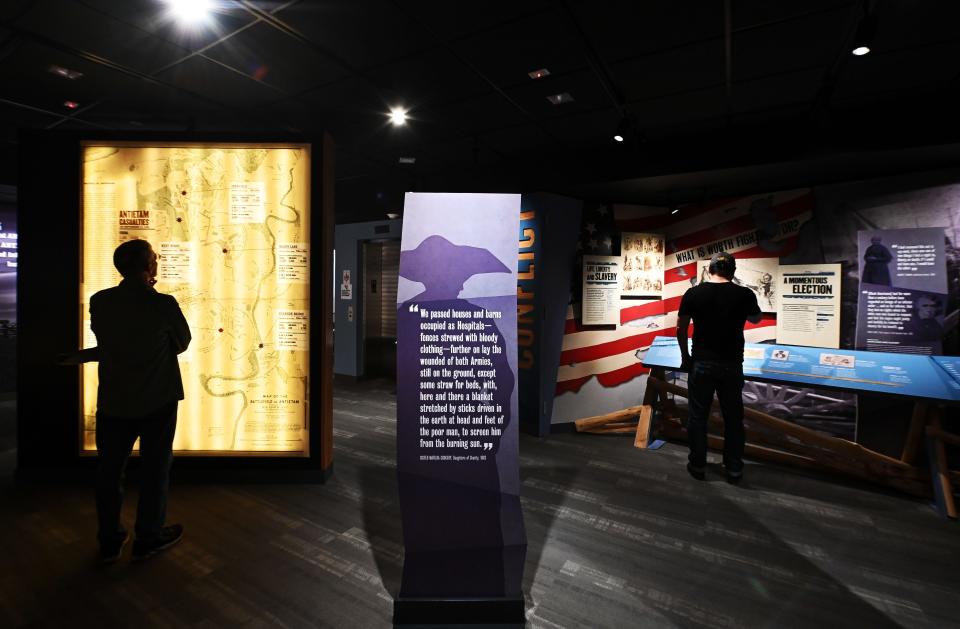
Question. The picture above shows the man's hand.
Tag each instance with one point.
(686, 364)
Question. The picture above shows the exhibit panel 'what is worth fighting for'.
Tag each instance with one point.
(231, 225)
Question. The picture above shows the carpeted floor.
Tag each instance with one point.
(618, 537)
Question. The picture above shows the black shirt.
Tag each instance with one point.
(139, 334)
(718, 310)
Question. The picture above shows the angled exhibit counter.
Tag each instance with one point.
(929, 382)
(243, 228)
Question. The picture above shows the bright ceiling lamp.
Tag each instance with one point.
(190, 12)
(398, 116)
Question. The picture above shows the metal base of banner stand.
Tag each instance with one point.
(474, 613)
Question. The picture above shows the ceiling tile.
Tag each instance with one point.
(362, 34)
(153, 17)
(454, 20)
(622, 29)
(265, 53)
(506, 54)
(101, 35)
(210, 80)
(805, 43)
(690, 67)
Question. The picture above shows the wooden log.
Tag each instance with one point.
(767, 436)
(915, 435)
(939, 433)
(805, 435)
(642, 438)
(911, 485)
(942, 471)
(589, 423)
(610, 430)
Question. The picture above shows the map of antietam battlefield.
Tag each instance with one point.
(231, 224)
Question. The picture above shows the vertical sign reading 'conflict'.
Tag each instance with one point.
(457, 401)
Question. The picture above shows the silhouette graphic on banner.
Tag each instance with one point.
(462, 531)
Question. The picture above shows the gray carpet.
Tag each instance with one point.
(618, 537)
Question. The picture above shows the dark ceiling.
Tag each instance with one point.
(737, 85)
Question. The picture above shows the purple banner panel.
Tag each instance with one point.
(903, 290)
(457, 458)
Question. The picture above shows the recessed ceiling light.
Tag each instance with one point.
(392, 215)
(559, 99)
(66, 73)
(398, 116)
(618, 137)
(190, 12)
(408, 160)
(861, 50)
(539, 74)
(674, 210)
(71, 104)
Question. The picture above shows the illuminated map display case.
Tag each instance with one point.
(243, 231)
(231, 226)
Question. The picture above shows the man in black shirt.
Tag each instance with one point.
(719, 308)
(139, 334)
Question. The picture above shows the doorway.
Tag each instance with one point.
(381, 268)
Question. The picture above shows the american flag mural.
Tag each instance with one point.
(600, 369)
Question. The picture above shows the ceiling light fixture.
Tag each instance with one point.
(66, 73)
(71, 104)
(538, 74)
(392, 215)
(190, 12)
(398, 116)
(674, 211)
(863, 38)
(408, 160)
(560, 99)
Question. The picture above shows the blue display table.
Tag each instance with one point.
(930, 382)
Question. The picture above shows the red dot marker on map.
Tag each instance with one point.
(220, 330)
(224, 250)
(183, 192)
(261, 345)
(179, 219)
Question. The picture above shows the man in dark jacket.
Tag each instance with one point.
(139, 334)
(719, 308)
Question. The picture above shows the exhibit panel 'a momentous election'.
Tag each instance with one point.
(231, 226)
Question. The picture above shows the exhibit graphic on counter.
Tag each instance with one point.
(808, 311)
(601, 290)
(879, 372)
(757, 274)
(903, 290)
(231, 226)
(642, 268)
(457, 437)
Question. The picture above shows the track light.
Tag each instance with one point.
(863, 38)
(398, 116)
(623, 130)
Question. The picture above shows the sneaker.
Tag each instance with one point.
(734, 477)
(110, 553)
(169, 535)
(696, 473)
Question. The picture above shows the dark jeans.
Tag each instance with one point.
(726, 379)
(115, 439)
